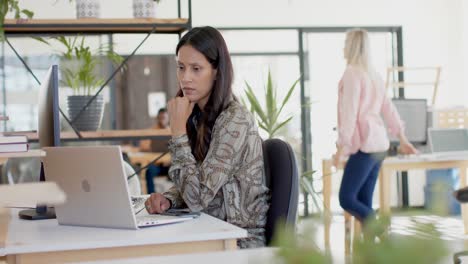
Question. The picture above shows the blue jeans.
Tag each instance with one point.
(358, 184)
(154, 171)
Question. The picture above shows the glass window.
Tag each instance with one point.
(261, 41)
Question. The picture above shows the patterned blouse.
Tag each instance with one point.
(230, 183)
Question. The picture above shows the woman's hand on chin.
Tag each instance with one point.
(179, 109)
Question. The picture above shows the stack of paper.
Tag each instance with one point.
(13, 144)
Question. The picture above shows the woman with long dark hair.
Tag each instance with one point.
(217, 158)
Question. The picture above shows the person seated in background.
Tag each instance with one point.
(154, 170)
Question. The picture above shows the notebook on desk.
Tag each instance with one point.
(97, 192)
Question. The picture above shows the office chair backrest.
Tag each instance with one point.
(282, 180)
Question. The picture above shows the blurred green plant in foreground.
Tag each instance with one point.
(423, 244)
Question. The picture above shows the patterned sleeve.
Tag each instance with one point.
(198, 184)
(174, 196)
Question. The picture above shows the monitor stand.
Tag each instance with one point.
(42, 211)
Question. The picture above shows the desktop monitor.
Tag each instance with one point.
(413, 112)
(49, 119)
(48, 132)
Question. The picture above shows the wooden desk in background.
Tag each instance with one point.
(144, 158)
(46, 241)
(389, 166)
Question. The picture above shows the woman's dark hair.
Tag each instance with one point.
(209, 42)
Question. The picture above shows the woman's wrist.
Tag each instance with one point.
(403, 139)
(177, 142)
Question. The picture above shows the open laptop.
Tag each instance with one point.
(448, 142)
(94, 181)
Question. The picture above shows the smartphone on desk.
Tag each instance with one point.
(181, 212)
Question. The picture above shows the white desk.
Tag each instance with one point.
(244, 256)
(47, 242)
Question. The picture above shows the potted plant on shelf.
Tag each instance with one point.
(79, 71)
(11, 6)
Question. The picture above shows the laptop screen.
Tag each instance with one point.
(449, 140)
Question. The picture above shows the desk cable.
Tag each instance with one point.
(146, 166)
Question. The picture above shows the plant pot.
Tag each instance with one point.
(143, 8)
(90, 119)
(87, 8)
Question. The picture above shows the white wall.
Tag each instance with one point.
(432, 29)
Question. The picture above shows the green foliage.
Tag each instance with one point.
(11, 6)
(297, 249)
(79, 64)
(267, 117)
(423, 245)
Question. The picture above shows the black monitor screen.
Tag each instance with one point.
(49, 120)
(413, 112)
(48, 132)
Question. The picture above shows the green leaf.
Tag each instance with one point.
(254, 103)
(29, 14)
(268, 116)
(280, 126)
(308, 173)
(262, 126)
(285, 100)
(270, 101)
(288, 95)
(41, 40)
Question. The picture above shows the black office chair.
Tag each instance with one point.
(282, 180)
(462, 196)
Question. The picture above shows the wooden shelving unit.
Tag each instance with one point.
(95, 25)
(390, 83)
(103, 135)
(90, 26)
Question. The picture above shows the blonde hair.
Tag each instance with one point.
(357, 50)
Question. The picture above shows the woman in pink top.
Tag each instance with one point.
(362, 108)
